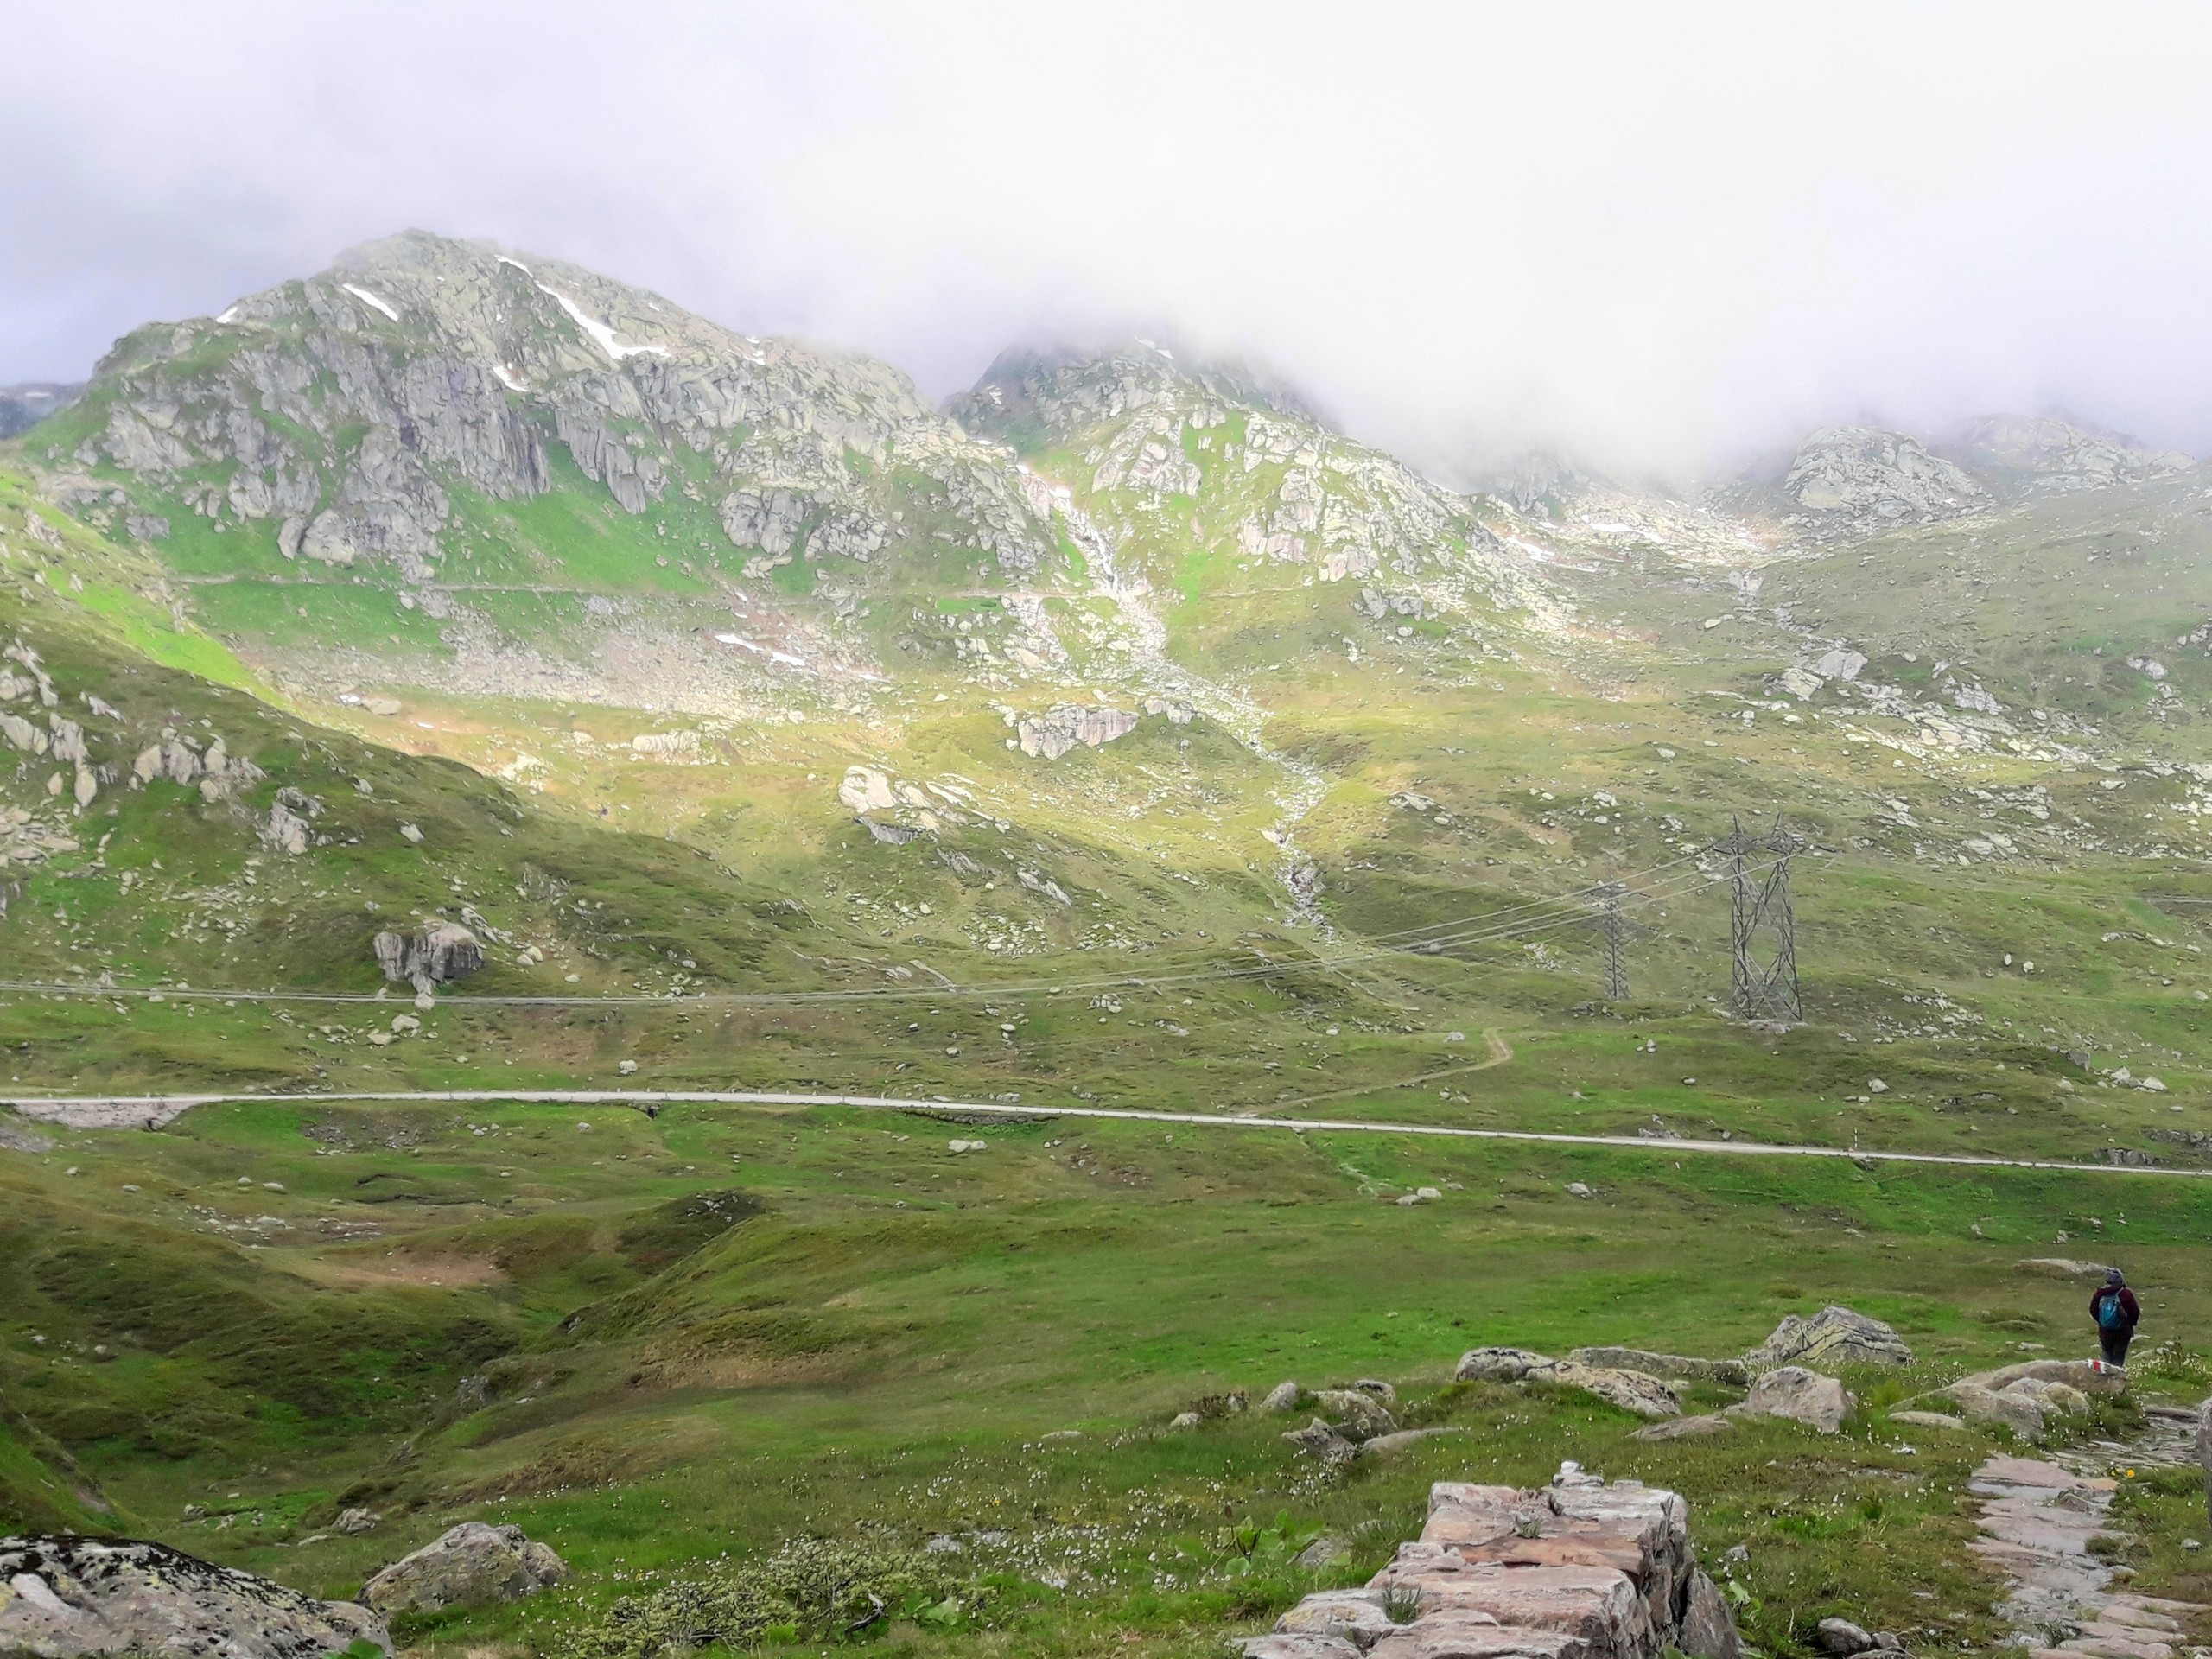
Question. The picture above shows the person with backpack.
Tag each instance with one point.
(2116, 1312)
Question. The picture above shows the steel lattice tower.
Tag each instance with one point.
(1612, 930)
(1761, 991)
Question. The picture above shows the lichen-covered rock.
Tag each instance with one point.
(1634, 1391)
(1834, 1336)
(1497, 1364)
(1358, 1415)
(442, 952)
(1800, 1395)
(473, 1564)
(1320, 1440)
(64, 1597)
(1284, 1396)
(1678, 1365)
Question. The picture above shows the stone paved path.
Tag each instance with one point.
(2038, 1518)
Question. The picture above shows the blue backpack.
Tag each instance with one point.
(2111, 1314)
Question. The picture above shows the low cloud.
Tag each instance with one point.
(1655, 239)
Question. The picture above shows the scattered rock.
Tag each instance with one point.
(1633, 1391)
(1324, 1551)
(355, 1521)
(1577, 1190)
(2014, 1411)
(1319, 1440)
(1383, 1445)
(2060, 1267)
(472, 1564)
(1357, 1615)
(1731, 1371)
(1358, 1415)
(1841, 1638)
(1284, 1396)
(1928, 1419)
(72, 1596)
(1497, 1364)
(1802, 1395)
(1185, 1419)
(442, 952)
(1061, 728)
(1834, 1336)
(1676, 1428)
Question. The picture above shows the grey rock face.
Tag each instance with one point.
(1860, 479)
(1802, 1395)
(471, 1565)
(63, 1597)
(1497, 1364)
(1639, 1359)
(1632, 1390)
(1055, 733)
(442, 952)
(350, 405)
(1355, 1413)
(2204, 1450)
(2043, 455)
(1834, 1336)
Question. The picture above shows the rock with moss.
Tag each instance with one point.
(61, 1597)
(472, 1565)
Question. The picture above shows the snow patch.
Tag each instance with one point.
(367, 298)
(508, 378)
(229, 315)
(519, 265)
(600, 333)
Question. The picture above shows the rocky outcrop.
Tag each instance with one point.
(1834, 1336)
(1577, 1570)
(1630, 1390)
(2026, 455)
(442, 952)
(1859, 479)
(1675, 1365)
(2025, 1398)
(472, 1565)
(1060, 728)
(67, 1596)
(1802, 1395)
(346, 413)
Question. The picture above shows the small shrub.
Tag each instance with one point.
(809, 1588)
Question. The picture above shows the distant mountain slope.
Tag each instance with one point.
(1192, 466)
(524, 460)
(22, 407)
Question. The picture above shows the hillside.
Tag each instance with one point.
(1123, 736)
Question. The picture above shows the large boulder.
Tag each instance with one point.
(62, 1597)
(1834, 1336)
(1358, 1415)
(1802, 1396)
(1497, 1364)
(441, 953)
(2025, 1398)
(472, 1564)
(1632, 1390)
(1732, 1371)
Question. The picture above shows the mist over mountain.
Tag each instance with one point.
(1460, 260)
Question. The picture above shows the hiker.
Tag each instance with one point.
(2114, 1309)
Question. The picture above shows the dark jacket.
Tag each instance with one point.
(2130, 1310)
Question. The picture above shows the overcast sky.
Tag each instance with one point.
(1655, 236)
